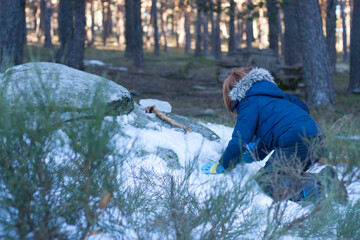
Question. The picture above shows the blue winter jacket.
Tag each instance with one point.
(266, 114)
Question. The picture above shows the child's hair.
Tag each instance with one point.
(230, 82)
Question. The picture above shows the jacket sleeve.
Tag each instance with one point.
(243, 133)
(296, 101)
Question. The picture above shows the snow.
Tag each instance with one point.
(160, 105)
(94, 63)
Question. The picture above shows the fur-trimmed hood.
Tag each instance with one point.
(255, 75)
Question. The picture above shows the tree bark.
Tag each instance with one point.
(316, 62)
(187, 31)
(120, 25)
(156, 29)
(249, 24)
(138, 54)
(198, 32)
(217, 51)
(354, 85)
(292, 54)
(212, 21)
(129, 28)
(163, 19)
(330, 32)
(90, 24)
(206, 33)
(281, 32)
(12, 33)
(344, 34)
(273, 18)
(232, 40)
(65, 20)
(75, 58)
(47, 24)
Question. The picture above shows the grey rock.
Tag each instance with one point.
(170, 157)
(70, 92)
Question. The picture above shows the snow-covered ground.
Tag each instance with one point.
(193, 147)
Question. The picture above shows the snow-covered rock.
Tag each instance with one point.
(69, 89)
(160, 105)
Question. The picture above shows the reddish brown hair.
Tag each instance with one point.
(230, 82)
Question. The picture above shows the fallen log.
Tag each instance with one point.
(162, 116)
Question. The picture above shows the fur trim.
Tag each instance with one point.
(241, 87)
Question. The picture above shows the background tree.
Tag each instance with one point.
(137, 42)
(187, 23)
(249, 24)
(48, 7)
(316, 62)
(163, 19)
(344, 34)
(199, 10)
(156, 29)
(330, 32)
(273, 18)
(206, 28)
(129, 27)
(12, 32)
(354, 85)
(217, 50)
(90, 23)
(232, 39)
(292, 53)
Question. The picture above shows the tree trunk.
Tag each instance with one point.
(344, 34)
(239, 33)
(65, 20)
(120, 25)
(129, 28)
(75, 58)
(281, 32)
(354, 85)
(292, 54)
(206, 33)
(330, 32)
(212, 21)
(249, 25)
(90, 25)
(163, 18)
(232, 40)
(105, 21)
(273, 17)
(198, 32)
(138, 54)
(12, 33)
(156, 29)
(39, 14)
(316, 62)
(187, 31)
(47, 23)
(217, 51)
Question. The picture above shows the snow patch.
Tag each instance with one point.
(162, 106)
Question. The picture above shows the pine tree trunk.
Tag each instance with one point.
(163, 18)
(38, 20)
(198, 32)
(156, 29)
(217, 51)
(249, 25)
(187, 31)
(65, 22)
(47, 23)
(138, 54)
(129, 28)
(292, 54)
(212, 21)
(90, 23)
(12, 33)
(105, 21)
(330, 32)
(354, 85)
(232, 40)
(281, 32)
(239, 33)
(120, 25)
(75, 57)
(273, 17)
(206, 33)
(316, 62)
(344, 35)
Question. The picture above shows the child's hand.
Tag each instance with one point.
(213, 168)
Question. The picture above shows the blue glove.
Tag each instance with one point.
(213, 168)
(247, 156)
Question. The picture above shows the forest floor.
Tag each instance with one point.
(190, 84)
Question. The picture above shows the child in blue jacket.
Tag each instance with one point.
(270, 119)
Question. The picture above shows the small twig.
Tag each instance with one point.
(162, 116)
